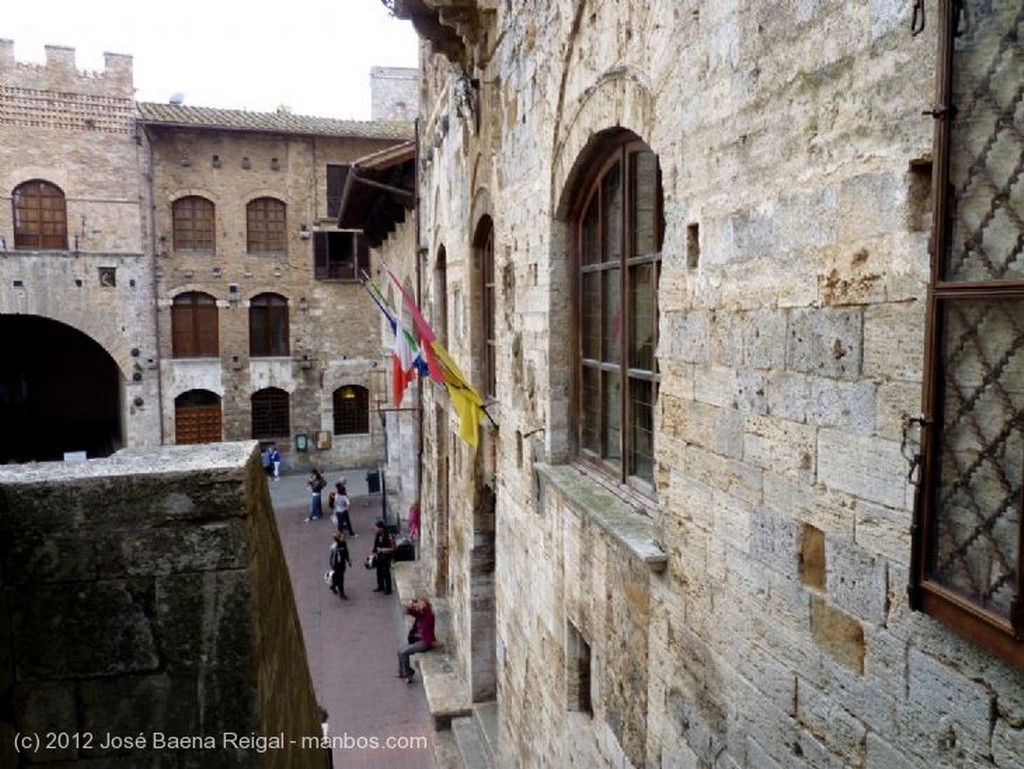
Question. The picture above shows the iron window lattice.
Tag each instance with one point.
(968, 538)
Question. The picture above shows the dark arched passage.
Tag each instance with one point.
(59, 392)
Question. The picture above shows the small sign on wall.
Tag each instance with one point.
(323, 440)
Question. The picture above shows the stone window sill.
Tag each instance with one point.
(624, 521)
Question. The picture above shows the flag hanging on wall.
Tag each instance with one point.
(466, 401)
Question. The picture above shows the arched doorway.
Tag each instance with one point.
(197, 417)
(60, 392)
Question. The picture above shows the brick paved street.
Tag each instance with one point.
(351, 645)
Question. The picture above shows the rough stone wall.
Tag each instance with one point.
(402, 472)
(147, 594)
(76, 130)
(335, 341)
(791, 338)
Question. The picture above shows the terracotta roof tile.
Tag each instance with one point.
(182, 116)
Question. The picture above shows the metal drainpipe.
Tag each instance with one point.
(152, 265)
(419, 300)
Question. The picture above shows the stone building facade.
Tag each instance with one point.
(245, 220)
(187, 263)
(74, 132)
(684, 249)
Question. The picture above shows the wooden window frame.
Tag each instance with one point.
(336, 177)
(619, 150)
(269, 331)
(266, 232)
(194, 227)
(270, 414)
(340, 255)
(195, 326)
(961, 298)
(40, 214)
(351, 418)
(484, 246)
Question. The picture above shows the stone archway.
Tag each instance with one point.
(60, 392)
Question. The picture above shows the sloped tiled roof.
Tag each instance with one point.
(182, 116)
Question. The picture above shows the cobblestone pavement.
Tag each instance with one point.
(376, 719)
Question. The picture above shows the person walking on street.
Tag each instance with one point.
(340, 560)
(383, 549)
(341, 506)
(316, 484)
(421, 635)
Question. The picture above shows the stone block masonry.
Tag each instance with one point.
(146, 615)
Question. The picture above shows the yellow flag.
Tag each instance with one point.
(465, 399)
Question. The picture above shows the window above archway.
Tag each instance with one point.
(40, 216)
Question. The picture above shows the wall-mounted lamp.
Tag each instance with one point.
(303, 232)
(303, 304)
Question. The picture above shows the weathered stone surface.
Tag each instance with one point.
(137, 621)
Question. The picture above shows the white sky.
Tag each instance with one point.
(311, 55)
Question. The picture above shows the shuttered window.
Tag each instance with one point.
(40, 216)
(968, 540)
(193, 224)
(194, 326)
(268, 326)
(266, 227)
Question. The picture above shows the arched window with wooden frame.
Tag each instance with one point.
(351, 410)
(270, 413)
(619, 227)
(195, 326)
(194, 224)
(266, 227)
(268, 326)
(40, 216)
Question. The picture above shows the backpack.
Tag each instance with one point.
(330, 501)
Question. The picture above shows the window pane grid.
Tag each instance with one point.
(193, 227)
(270, 413)
(619, 240)
(351, 410)
(977, 523)
(265, 232)
(967, 569)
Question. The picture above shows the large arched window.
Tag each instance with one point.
(618, 245)
(194, 326)
(268, 326)
(265, 227)
(351, 410)
(40, 216)
(197, 417)
(270, 413)
(194, 224)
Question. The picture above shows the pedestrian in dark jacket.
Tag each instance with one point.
(340, 560)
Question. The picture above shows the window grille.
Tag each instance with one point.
(968, 544)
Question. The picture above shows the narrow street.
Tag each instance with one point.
(376, 719)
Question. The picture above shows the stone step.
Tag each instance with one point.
(472, 743)
(446, 751)
(487, 715)
(447, 694)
